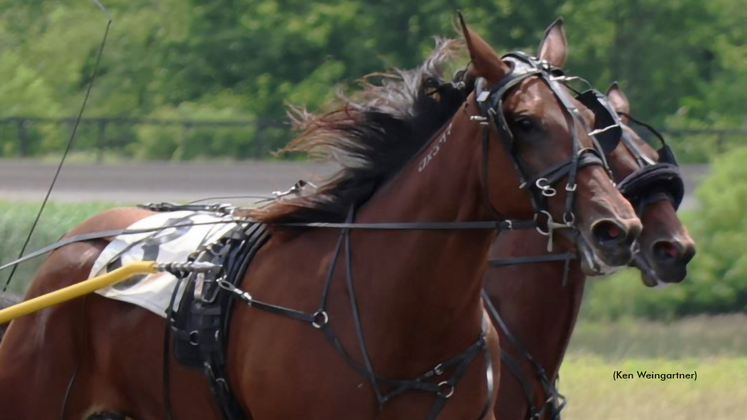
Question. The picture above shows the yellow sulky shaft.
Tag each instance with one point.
(79, 289)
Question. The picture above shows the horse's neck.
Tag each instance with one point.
(538, 309)
(422, 288)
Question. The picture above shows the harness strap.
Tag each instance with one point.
(105, 234)
(356, 311)
(320, 320)
(485, 225)
(514, 367)
(489, 379)
(531, 259)
(548, 388)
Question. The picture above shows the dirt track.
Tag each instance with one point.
(165, 181)
(151, 181)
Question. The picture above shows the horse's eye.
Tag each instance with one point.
(525, 124)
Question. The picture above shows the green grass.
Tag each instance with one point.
(720, 392)
(16, 219)
(695, 337)
(714, 346)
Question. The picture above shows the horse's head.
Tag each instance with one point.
(532, 123)
(651, 181)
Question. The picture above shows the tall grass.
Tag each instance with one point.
(720, 392)
(714, 346)
(694, 337)
(16, 219)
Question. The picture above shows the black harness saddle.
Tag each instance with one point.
(200, 324)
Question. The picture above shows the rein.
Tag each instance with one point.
(384, 226)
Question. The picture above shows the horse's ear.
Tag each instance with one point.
(619, 101)
(485, 61)
(554, 45)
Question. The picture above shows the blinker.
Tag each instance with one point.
(606, 124)
(666, 155)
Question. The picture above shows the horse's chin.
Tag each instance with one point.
(591, 264)
(649, 275)
(652, 280)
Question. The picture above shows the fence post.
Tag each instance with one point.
(23, 137)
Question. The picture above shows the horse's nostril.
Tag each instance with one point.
(613, 231)
(608, 232)
(671, 251)
(665, 251)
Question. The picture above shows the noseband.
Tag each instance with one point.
(653, 181)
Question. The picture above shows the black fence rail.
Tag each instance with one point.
(151, 138)
(148, 138)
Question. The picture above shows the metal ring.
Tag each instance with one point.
(320, 319)
(225, 284)
(194, 338)
(572, 220)
(445, 390)
(547, 190)
(571, 189)
(549, 218)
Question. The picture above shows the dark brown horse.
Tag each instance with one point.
(417, 155)
(539, 304)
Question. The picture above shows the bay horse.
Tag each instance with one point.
(413, 155)
(538, 302)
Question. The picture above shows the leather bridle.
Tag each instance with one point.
(651, 182)
(541, 185)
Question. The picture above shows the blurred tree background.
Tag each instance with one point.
(717, 277)
(679, 62)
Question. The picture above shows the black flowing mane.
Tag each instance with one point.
(372, 136)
